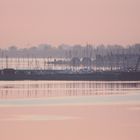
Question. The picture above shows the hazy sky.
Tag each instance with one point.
(31, 22)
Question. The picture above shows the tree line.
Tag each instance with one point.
(69, 51)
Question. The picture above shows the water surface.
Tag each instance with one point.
(69, 110)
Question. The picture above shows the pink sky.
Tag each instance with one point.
(31, 22)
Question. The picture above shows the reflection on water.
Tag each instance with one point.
(39, 89)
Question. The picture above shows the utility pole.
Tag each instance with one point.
(6, 62)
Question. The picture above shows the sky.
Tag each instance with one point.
(26, 23)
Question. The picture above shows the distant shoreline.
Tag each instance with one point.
(95, 76)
